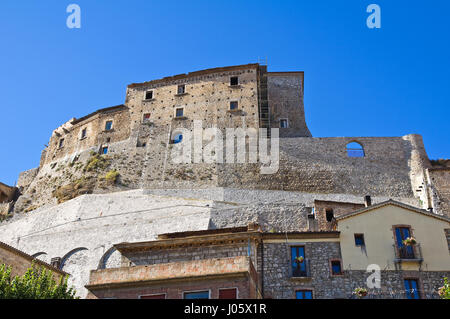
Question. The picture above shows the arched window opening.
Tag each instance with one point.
(354, 149)
(178, 138)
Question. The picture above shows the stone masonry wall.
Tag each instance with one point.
(285, 94)
(439, 187)
(278, 283)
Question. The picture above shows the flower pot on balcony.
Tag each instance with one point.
(360, 292)
(410, 241)
(299, 260)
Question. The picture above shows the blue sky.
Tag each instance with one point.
(358, 81)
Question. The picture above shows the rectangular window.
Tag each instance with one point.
(233, 105)
(283, 123)
(61, 143)
(105, 150)
(179, 112)
(181, 89)
(196, 295)
(83, 133)
(149, 95)
(405, 252)
(329, 215)
(298, 261)
(359, 240)
(146, 117)
(158, 296)
(336, 268)
(108, 125)
(303, 294)
(234, 80)
(229, 293)
(412, 290)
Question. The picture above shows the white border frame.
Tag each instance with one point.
(145, 95)
(287, 122)
(175, 112)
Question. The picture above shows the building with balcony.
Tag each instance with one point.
(247, 262)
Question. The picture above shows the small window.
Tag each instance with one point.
(411, 288)
(359, 240)
(196, 295)
(105, 150)
(108, 125)
(234, 80)
(355, 149)
(233, 105)
(149, 95)
(146, 117)
(329, 215)
(229, 293)
(83, 133)
(179, 112)
(303, 294)
(336, 267)
(61, 143)
(283, 123)
(181, 89)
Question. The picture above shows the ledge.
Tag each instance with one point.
(181, 94)
(300, 279)
(235, 111)
(148, 100)
(180, 118)
(185, 270)
(237, 86)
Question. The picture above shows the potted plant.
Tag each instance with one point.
(360, 292)
(410, 241)
(299, 259)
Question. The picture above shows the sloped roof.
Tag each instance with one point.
(31, 258)
(392, 203)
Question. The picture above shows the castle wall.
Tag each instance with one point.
(309, 165)
(439, 189)
(285, 95)
(96, 135)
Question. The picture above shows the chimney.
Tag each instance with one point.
(367, 200)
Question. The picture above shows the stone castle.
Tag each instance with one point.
(108, 178)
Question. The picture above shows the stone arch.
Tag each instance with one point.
(110, 259)
(69, 254)
(355, 149)
(76, 263)
(42, 256)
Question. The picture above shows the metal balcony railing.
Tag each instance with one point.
(301, 271)
(408, 252)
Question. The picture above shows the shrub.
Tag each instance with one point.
(444, 291)
(111, 176)
(34, 284)
(95, 162)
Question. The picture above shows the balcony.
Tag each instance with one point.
(301, 272)
(239, 266)
(408, 253)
